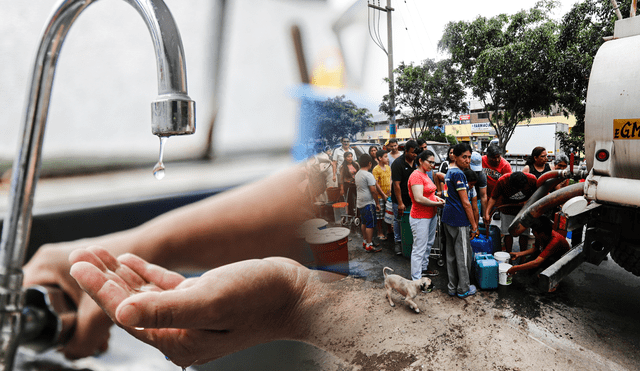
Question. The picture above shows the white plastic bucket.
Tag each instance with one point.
(388, 212)
(502, 257)
(339, 210)
(503, 277)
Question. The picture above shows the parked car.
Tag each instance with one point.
(360, 147)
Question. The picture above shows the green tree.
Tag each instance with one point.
(425, 94)
(336, 118)
(437, 135)
(581, 34)
(507, 61)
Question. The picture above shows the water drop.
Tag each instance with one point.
(158, 170)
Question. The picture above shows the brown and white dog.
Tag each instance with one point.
(409, 289)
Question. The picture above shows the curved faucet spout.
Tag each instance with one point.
(173, 113)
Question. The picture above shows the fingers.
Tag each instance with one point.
(106, 292)
(167, 309)
(163, 278)
(109, 266)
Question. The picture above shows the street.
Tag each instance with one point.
(595, 307)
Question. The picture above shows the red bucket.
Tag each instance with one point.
(330, 250)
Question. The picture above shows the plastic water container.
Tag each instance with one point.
(339, 209)
(388, 212)
(482, 244)
(486, 271)
(502, 257)
(503, 278)
(494, 233)
(330, 249)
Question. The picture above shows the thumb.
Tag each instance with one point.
(166, 309)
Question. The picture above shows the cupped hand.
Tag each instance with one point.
(50, 266)
(196, 320)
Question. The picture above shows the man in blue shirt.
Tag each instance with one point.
(457, 216)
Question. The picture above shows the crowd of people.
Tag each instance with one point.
(465, 193)
(254, 289)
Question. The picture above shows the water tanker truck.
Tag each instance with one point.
(604, 211)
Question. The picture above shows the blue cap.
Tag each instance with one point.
(476, 161)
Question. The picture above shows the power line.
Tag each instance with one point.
(423, 25)
(409, 35)
(371, 13)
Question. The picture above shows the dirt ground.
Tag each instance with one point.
(481, 332)
(450, 334)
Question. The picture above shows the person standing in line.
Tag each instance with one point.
(339, 153)
(366, 201)
(374, 159)
(457, 217)
(472, 181)
(392, 147)
(494, 166)
(382, 174)
(422, 144)
(537, 163)
(561, 162)
(422, 218)
(480, 185)
(401, 169)
(348, 172)
(442, 171)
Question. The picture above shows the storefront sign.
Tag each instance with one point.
(482, 127)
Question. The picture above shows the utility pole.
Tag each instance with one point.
(392, 97)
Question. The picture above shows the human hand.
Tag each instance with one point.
(440, 201)
(473, 234)
(197, 320)
(50, 266)
(401, 209)
(377, 206)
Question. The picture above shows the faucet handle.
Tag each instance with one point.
(49, 318)
(173, 115)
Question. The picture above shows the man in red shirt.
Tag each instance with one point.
(510, 193)
(494, 166)
(551, 245)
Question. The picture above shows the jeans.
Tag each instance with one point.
(424, 235)
(397, 237)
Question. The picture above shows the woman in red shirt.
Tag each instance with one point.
(422, 219)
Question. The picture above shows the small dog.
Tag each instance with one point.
(409, 289)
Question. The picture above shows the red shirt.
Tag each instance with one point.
(512, 195)
(557, 245)
(419, 211)
(494, 173)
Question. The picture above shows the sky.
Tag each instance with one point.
(418, 26)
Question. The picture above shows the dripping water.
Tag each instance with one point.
(158, 170)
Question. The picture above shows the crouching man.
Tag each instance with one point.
(549, 247)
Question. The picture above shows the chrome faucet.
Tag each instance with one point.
(173, 113)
